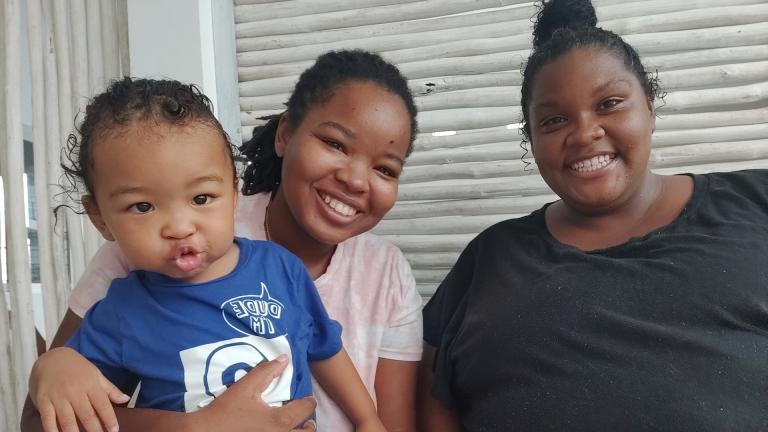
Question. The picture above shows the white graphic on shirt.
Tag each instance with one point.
(211, 368)
(253, 314)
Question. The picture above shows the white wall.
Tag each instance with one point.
(190, 41)
(463, 62)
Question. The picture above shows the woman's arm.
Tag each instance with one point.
(433, 415)
(338, 377)
(396, 394)
(67, 328)
(240, 408)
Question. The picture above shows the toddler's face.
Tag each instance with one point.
(167, 195)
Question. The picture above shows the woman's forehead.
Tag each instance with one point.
(586, 69)
(361, 102)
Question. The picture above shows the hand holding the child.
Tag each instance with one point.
(241, 406)
(67, 388)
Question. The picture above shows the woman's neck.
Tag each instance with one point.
(656, 203)
(282, 228)
(634, 207)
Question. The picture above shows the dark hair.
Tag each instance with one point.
(564, 25)
(126, 101)
(315, 86)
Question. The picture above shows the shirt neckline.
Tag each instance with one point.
(688, 211)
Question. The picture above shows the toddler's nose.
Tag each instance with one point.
(178, 226)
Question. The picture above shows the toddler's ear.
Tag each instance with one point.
(94, 214)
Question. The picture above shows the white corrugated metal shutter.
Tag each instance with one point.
(463, 60)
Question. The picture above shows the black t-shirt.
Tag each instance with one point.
(667, 332)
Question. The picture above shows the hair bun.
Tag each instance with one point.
(557, 14)
(174, 110)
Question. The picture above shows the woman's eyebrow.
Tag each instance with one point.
(339, 127)
(396, 158)
(609, 84)
(545, 104)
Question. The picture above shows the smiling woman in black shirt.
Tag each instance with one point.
(637, 302)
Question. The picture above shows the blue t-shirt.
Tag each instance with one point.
(186, 343)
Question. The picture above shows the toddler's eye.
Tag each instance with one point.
(142, 207)
(201, 199)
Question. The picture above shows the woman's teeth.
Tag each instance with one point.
(338, 206)
(593, 164)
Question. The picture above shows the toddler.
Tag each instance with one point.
(204, 307)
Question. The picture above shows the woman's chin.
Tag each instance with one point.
(331, 236)
(592, 204)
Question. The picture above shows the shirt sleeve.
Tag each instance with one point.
(402, 339)
(443, 317)
(325, 340)
(108, 263)
(99, 339)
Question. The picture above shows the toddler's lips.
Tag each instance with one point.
(188, 262)
(187, 258)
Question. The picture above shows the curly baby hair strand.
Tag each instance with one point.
(314, 87)
(564, 25)
(125, 101)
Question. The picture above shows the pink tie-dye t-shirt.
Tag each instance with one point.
(368, 288)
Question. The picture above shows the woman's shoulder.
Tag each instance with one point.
(519, 227)
(371, 244)
(737, 190)
(745, 181)
(109, 263)
(371, 256)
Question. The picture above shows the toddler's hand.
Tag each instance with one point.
(64, 386)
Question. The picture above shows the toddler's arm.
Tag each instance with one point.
(338, 377)
(65, 386)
